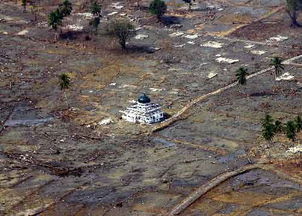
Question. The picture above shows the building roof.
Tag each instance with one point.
(144, 99)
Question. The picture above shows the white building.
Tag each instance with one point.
(143, 111)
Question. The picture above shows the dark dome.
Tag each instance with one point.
(144, 99)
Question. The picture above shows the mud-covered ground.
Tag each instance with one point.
(58, 157)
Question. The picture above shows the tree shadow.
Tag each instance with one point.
(170, 20)
(140, 49)
(74, 35)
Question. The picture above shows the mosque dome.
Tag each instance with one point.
(144, 99)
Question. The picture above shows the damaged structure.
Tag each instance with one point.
(143, 111)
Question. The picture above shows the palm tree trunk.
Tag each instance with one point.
(293, 16)
(66, 100)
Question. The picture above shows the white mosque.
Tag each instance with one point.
(143, 111)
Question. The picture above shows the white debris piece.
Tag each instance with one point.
(155, 48)
(86, 15)
(258, 52)
(75, 27)
(141, 36)
(112, 13)
(7, 18)
(176, 34)
(117, 5)
(286, 76)
(191, 37)
(6, 33)
(211, 75)
(212, 44)
(42, 24)
(249, 46)
(112, 84)
(174, 91)
(123, 14)
(218, 55)
(155, 89)
(191, 42)
(277, 38)
(23, 32)
(105, 121)
(175, 26)
(296, 149)
(226, 60)
(179, 46)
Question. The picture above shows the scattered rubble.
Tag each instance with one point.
(176, 26)
(258, 52)
(155, 89)
(295, 150)
(226, 60)
(286, 76)
(141, 36)
(75, 27)
(105, 121)
(277, 38)
(23, 32)
(211, 75)
(249, 46)
(191, 37)
(212, 44)
(179, 46)
(86, 15)
(117, 5)
(112, 13)
(176, 34)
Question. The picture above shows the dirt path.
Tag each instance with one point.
(272, 12)
(227, 175)
(210, 185)
(179, 114)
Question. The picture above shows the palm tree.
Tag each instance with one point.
(56, 17)
(65, 8)
(96, 8)
(189, 2)
(268, 128)
(276, 62)
(241, 74)
(278, 127)
(290, 130)
(298, 122)
(292, 9)
(158, 8)
(24, 2)
(64, 81)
